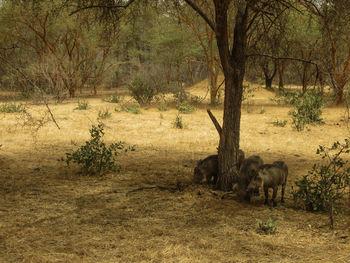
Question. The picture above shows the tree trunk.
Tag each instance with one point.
(268, 82)
(340, 94)
(234, 70)
(281, 70)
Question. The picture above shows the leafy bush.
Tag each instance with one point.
(11, 107)
(178, 122)
(82, 105)
(95, 157)
(144, 88)
(325, 184)
(279, 123)
(104, 114)
(185, 107)
(248, 92)
(131, 109)
(308, 109)
(268, 226)
(114, 98)
(181, 96)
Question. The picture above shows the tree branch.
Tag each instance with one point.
(214, 120)
(102, 6)
(201, 13)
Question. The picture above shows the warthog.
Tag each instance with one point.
(208, 168)
(270, 176)
(249, 168)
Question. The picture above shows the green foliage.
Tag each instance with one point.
(82, 105)
(131, 109)
(278, 123)
(114, 98)
(308, 109)
(177, 123)
(24, 95)
(181, 96)
(185, 107)
(262, 111)
(162, 107)
(104, 114)
(11, 107)
(268, 227)
(326, 183)
(248, 92)
(95, 158)
(143, 89)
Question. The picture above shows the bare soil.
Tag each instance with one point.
(50, 213)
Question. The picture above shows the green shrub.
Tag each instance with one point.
(11, 107)
(24, 95)
(95, 158)
(104, 114)
(268, 227)
(114, 98)
(325, 184)
(279, 123)
(262, 111)
(185, 107)
(143, 89)
(178, 122)
(248, 92)
(82, 105)
(131, 109)
(308, 109)
(180, 96)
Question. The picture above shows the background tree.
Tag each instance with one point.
(333, 17)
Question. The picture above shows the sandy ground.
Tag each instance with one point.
(49, 213)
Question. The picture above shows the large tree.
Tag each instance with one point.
(240, 16)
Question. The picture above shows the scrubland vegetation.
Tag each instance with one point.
(103, 121)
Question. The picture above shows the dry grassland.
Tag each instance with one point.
(48, 213)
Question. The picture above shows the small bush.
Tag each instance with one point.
(278, 123)
(82, 105)
(11, 107)
(248, 92)
(114, 98)
(104, 114)
(95, 158)
(185, 107)
(181, 96)
(178, 122)
(24, 95)
(144, 89)
(326, 183)
(268, 227)
(262, 111)
(308, 109)
(131, 109)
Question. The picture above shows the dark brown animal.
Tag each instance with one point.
(270, 176)
(249, 168)
(208, 168)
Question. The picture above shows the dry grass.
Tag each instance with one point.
(50, 214)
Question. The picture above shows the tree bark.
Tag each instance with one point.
(234, 70)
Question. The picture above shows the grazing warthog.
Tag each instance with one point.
(208, 168)
(249, 168)
(270, 176)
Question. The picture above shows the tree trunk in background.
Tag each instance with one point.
(282, 66)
